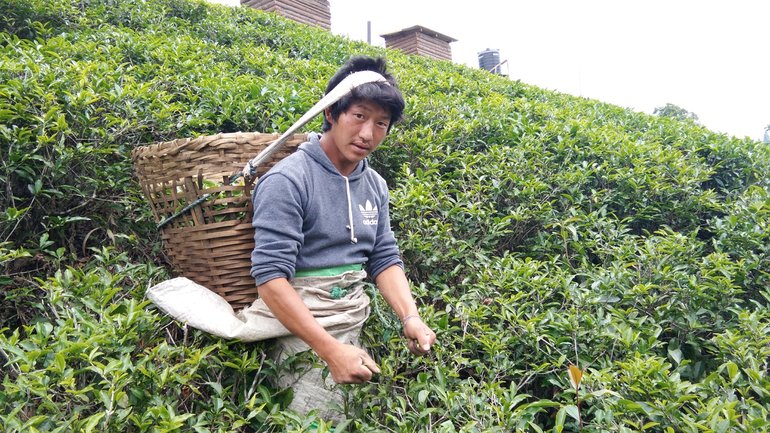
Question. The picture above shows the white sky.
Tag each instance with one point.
(709, 57)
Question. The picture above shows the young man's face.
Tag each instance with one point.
(355, 134)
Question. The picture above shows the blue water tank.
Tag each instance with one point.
(489, 60)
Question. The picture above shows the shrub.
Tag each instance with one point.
(540, 230)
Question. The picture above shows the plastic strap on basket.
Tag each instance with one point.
(249, 171)
(343, 88)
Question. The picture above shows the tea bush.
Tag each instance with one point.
(541, 231)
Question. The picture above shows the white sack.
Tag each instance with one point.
(201, 308)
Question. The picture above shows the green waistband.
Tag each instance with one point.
(328, 272)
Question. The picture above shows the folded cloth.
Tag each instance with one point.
(338, 303)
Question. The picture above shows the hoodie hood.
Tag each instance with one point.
(313, 148)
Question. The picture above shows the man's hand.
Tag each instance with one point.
(419, 336)
(349, 364)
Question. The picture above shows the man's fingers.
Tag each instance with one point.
(363, 375)
(370, 364)
(421, 338)
(415, 347)
(424, 342)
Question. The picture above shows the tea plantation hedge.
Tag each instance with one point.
(541, 231)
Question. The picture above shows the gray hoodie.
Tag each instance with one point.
(308, 216)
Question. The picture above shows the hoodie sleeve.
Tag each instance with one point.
(277, 223)
(385, 253)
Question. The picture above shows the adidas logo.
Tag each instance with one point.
(369, 213)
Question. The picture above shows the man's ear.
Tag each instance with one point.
(328, 114)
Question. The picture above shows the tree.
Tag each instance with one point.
(675, 112)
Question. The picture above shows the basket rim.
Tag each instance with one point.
(180, 143)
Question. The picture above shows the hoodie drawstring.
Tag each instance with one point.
(350, 227)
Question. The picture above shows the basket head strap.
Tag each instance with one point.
(343, 88)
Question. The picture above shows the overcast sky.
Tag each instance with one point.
(709, 57)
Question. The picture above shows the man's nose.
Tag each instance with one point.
(367, 130)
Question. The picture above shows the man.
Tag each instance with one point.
(322, 226)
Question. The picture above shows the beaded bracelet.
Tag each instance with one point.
(407, 317)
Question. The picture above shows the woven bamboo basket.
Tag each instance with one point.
(210, 244)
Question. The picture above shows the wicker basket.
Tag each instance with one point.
(212, 243)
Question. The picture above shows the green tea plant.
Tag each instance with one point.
(540, 231)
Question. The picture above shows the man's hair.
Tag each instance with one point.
(385, 94)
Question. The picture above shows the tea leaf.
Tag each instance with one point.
(575, 376)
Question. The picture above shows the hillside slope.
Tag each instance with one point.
(540, 230)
